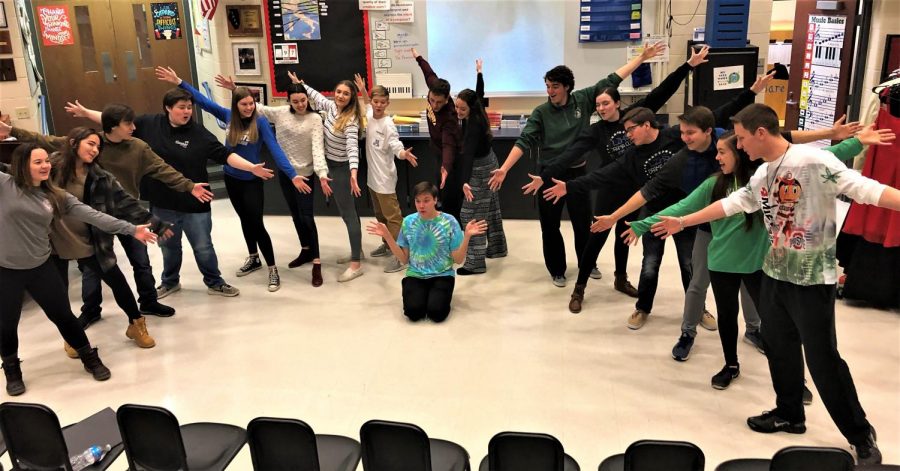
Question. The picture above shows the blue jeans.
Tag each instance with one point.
(92, 291)
(654, 247)
(198, 228)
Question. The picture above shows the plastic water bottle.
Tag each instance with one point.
(522, 121)
(89, 457)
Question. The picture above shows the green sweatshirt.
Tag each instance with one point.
(550, 129)
(129, 161)
(733, 249)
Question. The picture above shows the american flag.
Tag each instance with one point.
(208, 8)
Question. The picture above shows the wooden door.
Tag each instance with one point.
(75, 38)
(109, 53)
(139, 49)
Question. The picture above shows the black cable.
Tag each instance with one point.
(672, 18)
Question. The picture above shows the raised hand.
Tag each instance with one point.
(360, 82)
(326, 188)
(293, 77)
(201, 192)
(76, 109)
(467, 192)
(841, 131)
(167, 74)
(698, 57)
(653, 50)
(408, 156)
(225, 82)
(143, 234)
(300, 184)
(532, 187)
(555, 192)
(262, 172)
(478, 64)
(761, 83)
(378, 229)
(415, 53)
(474, 228)
(602, 223)
(496, 180)
(870, 136)
(667, 226)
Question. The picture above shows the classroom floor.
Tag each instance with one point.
(510, 357)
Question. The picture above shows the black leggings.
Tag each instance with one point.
(427, 297)
(248, 200)
(607, 202)
(301, 206)
(48, 291)
(726, 287)
(114, 278)
(550, 215)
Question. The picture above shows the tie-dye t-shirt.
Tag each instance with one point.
(430, 243)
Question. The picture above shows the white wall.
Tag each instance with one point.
(17, 94)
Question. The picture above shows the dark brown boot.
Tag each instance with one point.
(92, 363)
(623, 285)
(13, 371)
(577, 298)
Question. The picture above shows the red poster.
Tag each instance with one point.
(55, 27)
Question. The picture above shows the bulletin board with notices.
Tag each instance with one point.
(610, 20)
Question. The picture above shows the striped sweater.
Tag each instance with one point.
(339, 146)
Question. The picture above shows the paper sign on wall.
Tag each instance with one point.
(374, 4)
(638, 49)
(56, 30)
(402, 11)
(286, 53)
(166, 23)
(728, 78)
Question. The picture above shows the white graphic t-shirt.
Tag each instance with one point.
(382, 145)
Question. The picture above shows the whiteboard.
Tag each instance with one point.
(519, 41)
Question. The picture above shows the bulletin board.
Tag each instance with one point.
(322, 41)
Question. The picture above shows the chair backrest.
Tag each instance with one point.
(33, 436)
(282, 444)
(519, 451)
(394, 446)
(662, 455)
(152, 438)
(811, 458)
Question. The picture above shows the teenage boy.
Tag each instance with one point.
(550, 128)
(382, 145)
(795, 188)
(129, 160)
(185, 146)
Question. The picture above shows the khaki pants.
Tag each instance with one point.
(387, 211)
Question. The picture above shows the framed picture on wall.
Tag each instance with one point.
(244, 20)
(258, 90)
(246, 59)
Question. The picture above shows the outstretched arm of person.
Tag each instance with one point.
(78, 110)
(473, 228)
(890, 198)
(361, 85)
(48, 143)
(668, 225)
(839, 131)
(258, 170)
(167, 74)
(604, 222)
(379, 229)
(650, 51)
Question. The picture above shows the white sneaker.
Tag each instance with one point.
(350, 274)
(349, 258)
(559, 281)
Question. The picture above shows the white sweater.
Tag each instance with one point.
(301, 138)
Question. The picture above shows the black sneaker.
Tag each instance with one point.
(754, 338)
(85, 319)
(724, 378)
(682, 350)
(768, 422)
(868, 452)
(155, 308)
(250, 265)
(807, 395)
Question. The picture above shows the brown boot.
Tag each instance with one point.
(13, 371)
(623, 285)
(577, 298)
(92, 363)
(70, 352)
(137, 331)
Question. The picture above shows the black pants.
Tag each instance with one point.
(427, 297)
(726, 289)
(579, 206)
(114, 278)
(92, 291)
(301, 207)
(797, 320)
(247, 199)
(48, 291)
(654, 248)
(451, 197)
(606, 203)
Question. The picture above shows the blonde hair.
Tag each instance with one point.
(236, 128)
(351, 111)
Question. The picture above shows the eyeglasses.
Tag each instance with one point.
(631, 128)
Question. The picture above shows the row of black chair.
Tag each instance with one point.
(152, 439)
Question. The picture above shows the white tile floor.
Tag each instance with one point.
(511, 357)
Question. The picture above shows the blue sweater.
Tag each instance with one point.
(251, 150)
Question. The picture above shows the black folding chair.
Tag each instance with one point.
(154, 440)
(657, 455)
(812, 458)
(291, 445)
(519, 451)
(35, 440)
(745, 464)
(396, 446)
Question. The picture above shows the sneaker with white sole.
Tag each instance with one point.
(382, 251)
(394, 266)
(162, 290)
(250, 265)
(595, 274)
(723, 378)
(559, 281)
(274, 280)
(682, 350)
(637, 319)
(708, 322)
(350, 274)
(223, 290)
(769, 422)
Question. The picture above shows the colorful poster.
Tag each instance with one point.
(300, 20)
(56, 30)
(286, 53)
(166, 23)
(728, 78)
(821, 72)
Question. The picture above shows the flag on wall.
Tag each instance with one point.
(208, 8)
